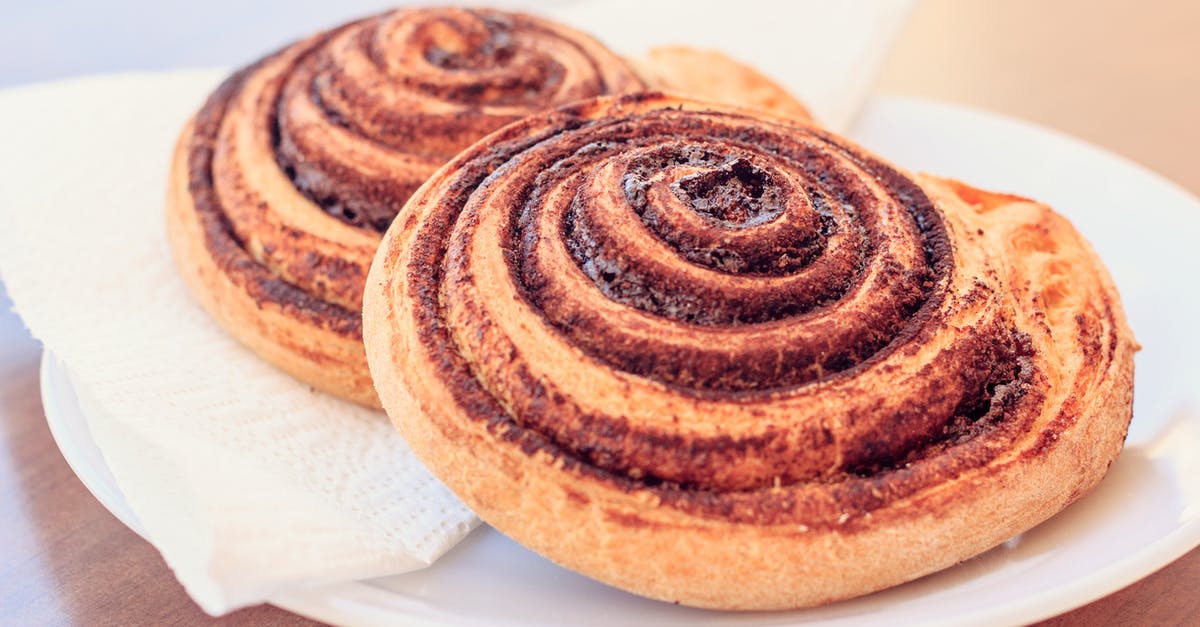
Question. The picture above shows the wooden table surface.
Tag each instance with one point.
(1122, 75)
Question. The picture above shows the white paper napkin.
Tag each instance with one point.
(249, 483)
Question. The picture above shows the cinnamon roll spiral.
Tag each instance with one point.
(733, 362)
(284, 180)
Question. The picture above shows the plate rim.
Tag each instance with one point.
(1114, 576)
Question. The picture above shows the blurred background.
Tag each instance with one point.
(1121, 74)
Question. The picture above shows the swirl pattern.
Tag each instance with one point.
(295, 165)
(370, 113)
(731, 362)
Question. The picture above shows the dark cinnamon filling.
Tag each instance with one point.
(734, 194)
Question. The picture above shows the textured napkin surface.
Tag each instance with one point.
(248, 482)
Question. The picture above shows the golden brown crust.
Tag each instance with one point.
(721, 360)
(713, 76)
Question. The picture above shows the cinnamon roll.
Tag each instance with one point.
(285, 179)
(730, 361)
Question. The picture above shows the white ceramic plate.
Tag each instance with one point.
(1144, 515)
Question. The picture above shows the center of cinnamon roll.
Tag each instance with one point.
(735, 194)
(472, 44)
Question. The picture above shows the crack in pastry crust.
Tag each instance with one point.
(651, 326)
